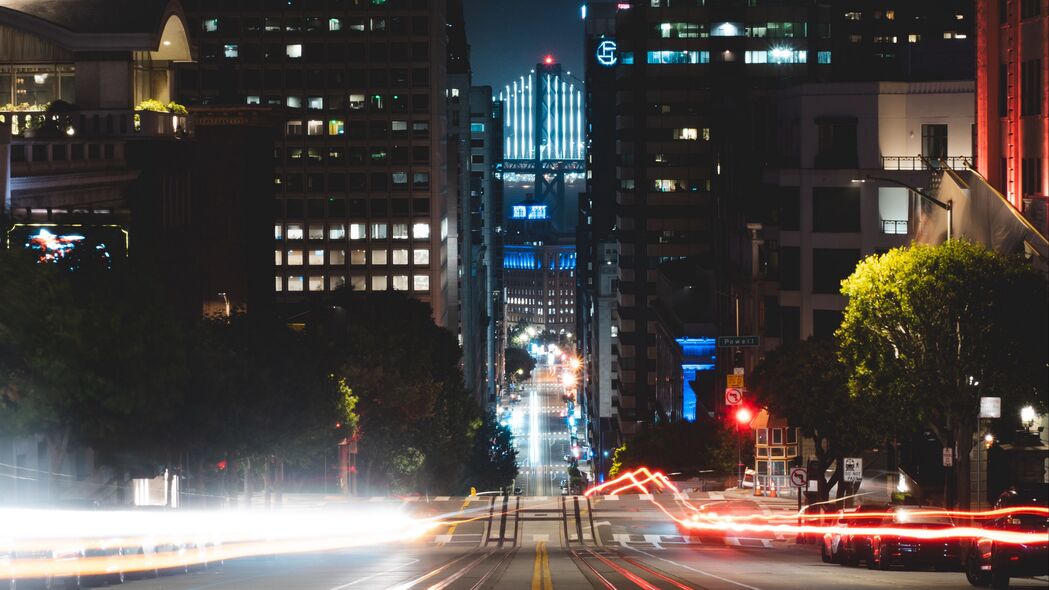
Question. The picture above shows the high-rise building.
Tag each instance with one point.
(1012, 106)
(361, 165)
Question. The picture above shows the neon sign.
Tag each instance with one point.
(529, 212)
(606, 53)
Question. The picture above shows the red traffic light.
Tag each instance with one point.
(744, 416)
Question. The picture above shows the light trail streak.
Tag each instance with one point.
(709, 521)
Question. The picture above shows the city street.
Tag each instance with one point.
(636, 548)
(540, 433)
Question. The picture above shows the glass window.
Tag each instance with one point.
(278, 257)
(421, 283)
(380, 231)
(763, 436)
(334, 24)
(379, 283)
(358, 231)
(295, 283)
(316, 231)
(278, 232)
(295, 231)
(726, 29)
(231, 51)
(421, 256)
(358, 256)
(336, 257)
(293, 128)
(316, 283)
(400, 256)
(315, 127)
(380, 257)
(294, 102)
(210, 25)
(316, 257)
(294, 258)
(358, 282)
(336, 282)
(294, 50)
(686, 133)
(336, 127)
(399, 126)
(792, 436)
(777, 436)
(357, 102)
(400, 231)
(400, 282)
(420, 128)
(315, 102)
(421, 231)
(337, 231)
(421, 180)
(400, 179)
(279, 283)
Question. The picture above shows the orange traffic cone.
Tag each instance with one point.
(772, 489)
(757, 487)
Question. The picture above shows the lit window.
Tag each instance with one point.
(295, 231)
(678, 57)
(380, 257)
(358, 282)
(379, 283)
(358, 257)
(823, 57)
(421, 283)
(295, 283)
(316, 231)
(400, 257)
(316, 283)
(294, 257)
(397, 126)
(400, 231)
(294, 51)
(912, 38)
(357, 102)
(476, 127)
(278, 257)
(278, 232)
(455, 92)
(315, 102)
(254, 100)
(315, 128)
(316, 258)
(279, 283)
(378, 24)
(336, 283)
(336, 257)
(421, 256)
(687, 133)
(336, 127)
(421, 231)
(293, 128)
(400, 282)
(334, 24)
(210, 25)
(294, 102)
(890, 15)
(358, 231)
(231, 51)
(337, 231)
(400, 179)
(726, 30)
(853, 15)
(379, 231)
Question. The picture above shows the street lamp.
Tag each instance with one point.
(743, 416)
(948, 206)
(1027, 417)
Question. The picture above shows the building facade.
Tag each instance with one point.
(1012, 109)
(361, 173)
(540, 286)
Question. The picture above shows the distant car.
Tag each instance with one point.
(987, 563)
(889, 550)
(748, 478)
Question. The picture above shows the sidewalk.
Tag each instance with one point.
(766, 502)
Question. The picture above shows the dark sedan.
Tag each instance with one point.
(992, 564)
(911, 552)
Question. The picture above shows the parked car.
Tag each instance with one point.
(890, 550)
(987, 563)
(856, 547)
(830, 545)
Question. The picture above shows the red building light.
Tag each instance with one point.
(549, 59)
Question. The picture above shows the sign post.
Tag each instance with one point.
(799, 479)
(853, 469)
(738, 341)
(948, 457)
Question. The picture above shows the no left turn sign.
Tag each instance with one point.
(798, 477)
(733, 396)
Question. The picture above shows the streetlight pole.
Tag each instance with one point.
(946, 206)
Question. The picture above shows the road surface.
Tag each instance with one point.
(541, 433)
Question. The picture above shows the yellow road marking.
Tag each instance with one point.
(541, 579)
(451, 529)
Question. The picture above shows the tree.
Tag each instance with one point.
(929, 330)
(686, 447)
(493, 459)
(519, 364)
(807, 384)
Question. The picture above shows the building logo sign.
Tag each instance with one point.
(606, 53)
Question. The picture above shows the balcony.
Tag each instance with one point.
(921, 163)
(894, 227)
(96, 123)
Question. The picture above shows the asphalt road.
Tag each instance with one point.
(536, 547)
(541, 433)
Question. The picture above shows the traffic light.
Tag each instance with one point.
(744, 415)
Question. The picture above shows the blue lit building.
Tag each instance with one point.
(540, 286)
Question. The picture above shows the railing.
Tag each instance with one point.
(921, 163)
(894, 227)
(120, 123)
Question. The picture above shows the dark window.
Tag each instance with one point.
(825, 322)
(1031, 87)
(337, 182)
(295, 208)
(314, 182)
(830, 266)
(791, 322)
(1028, 8)
(790, 208)
(380, 208)
(773, 319)
(1003, 87)
(789, 268)
(315, 208)
(357, 181)
(421, 206)
(934, 142)
(358, 208)
(399, 207)
(337, 207)
(835, 209)
(837, 143)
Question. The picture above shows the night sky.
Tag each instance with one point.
(508, 37)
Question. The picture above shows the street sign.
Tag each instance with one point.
(733, 396)
(948, 457)
(735, 381)
(853, 469)
(737, 371)
(737, 341)
(799, 477)
(990, 407)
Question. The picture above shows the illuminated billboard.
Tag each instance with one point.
(529, 212)
(71, 246)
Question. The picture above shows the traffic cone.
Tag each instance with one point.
(772, 489)
(757, 487)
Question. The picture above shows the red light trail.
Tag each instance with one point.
(785, 524)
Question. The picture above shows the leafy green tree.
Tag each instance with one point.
(807, 384)
(493, 459)
(519, 364)
(928, 331)
(686, 447)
